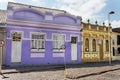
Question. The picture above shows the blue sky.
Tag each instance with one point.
(87, 9)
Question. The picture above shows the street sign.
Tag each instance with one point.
(2, 43)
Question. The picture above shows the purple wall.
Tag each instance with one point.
(36, 16)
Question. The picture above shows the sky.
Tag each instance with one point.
(87, 9)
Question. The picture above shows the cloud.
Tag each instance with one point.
(85, 8)
(4, 1)
(40, 3)
(35, 0)
(114, 23)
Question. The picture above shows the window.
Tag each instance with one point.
(73, 39)
(58, 41)
(113, 42)
(87, 45)
(107, 45)
(16, 36)
(38, 42)
(94, 45)
(118, 40)
(118, 50)
(113, 51)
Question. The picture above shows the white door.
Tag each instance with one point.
(16, 47)
(74, 48)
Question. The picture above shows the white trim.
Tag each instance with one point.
(37, 55)
(58, 54)
(45, 40)
(26, 39)
(67, 41)
(8, 38)
(48, 17)
(17, 31)
(16, 57)
(58, 34)
(74, 48)
(49, 25)
(34, 50)
(43, 29)
(48, 39)
(61, 50)
(39, 33)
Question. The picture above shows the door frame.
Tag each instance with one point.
(20, 42)
(76, 45)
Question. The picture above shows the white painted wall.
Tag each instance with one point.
(114, 37)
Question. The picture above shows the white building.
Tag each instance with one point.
(116, 44)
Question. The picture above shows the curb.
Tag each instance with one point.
(29, 70)
(91, 74)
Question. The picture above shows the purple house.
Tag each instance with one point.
(41, 36)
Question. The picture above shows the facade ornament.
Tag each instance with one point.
(96, 22)
(109, 24)
(103, 23)
(88, 21)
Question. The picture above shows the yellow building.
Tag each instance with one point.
(95, 42)
(116, 44)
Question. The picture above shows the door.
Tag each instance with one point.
(101, 50)
(16, 47)
(74, 48)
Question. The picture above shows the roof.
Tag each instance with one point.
(94, 24)
(2, 16)
(116, 30)
(42, 9)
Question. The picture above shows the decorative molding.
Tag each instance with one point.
(58, 54)
(39, 9)
(37, 55)
(44, 29)
(48, 17)
(46, 25)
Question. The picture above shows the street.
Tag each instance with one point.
(58, 74)
(113, 75)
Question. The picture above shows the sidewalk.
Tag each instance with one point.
(73, 71)
(10, 70)
(91, 69)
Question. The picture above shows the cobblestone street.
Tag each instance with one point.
(93, 72)
(44, 75)
(59, 75)
(113, 75)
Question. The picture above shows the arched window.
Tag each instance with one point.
(107, 45)
(94, 45)
(87, 45)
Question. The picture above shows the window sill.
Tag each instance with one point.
(34, 50)
(58, 50)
